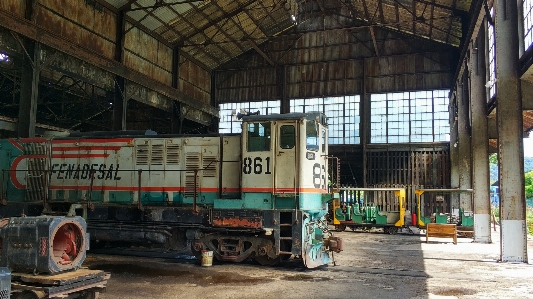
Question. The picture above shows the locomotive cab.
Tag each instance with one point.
(284, 161)
(284, 172)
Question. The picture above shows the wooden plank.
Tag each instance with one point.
(58, 279)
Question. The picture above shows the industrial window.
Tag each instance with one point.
(342, 113)
(258, 137)
(528, 23)
(228, 119)
(491, 84)
(405, 117)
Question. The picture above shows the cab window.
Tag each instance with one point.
(258, 137)
(311, 135)
(287, 136)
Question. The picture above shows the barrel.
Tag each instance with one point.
(207, 258)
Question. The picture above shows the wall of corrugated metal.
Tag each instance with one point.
(93, 27)
(16, 7)
(334, 63)
(84, 25)
(147, 55)
(194, 81)
(408, 72)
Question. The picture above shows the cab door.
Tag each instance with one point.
(286, 156)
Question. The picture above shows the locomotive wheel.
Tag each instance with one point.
(265, 260)
(340, 228)
(196, 253)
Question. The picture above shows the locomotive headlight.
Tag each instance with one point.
(310, 155)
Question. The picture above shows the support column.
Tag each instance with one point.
(454, 150)
(464, 154)
(365, 114)
(285, 104)
(175, 121)
(215, 121)
(29, 90)
(480, 146)
(510, 133)
(521, 46)
(120, 101)
(119, 105)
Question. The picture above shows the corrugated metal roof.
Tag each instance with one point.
(217, 31)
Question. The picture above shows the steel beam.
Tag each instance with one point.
(29, 90)
(464, 137)
(454, 151)
(149, 97)
(10, 124)
(510, 133)
(281, 72)
(374, 41)
(119, 99)
(254, 45)
(32, 31)
(473, 26)
(480, 145)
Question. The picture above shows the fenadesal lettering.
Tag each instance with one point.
(85, 171)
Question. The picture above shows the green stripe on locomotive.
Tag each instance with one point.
(8, 154)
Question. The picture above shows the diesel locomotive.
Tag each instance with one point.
(258, 195)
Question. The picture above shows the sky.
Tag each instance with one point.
(528, 146)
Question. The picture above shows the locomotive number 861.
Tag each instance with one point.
(257, 195)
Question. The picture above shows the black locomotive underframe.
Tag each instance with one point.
(262, 232)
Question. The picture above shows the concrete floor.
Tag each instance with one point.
(373, 265)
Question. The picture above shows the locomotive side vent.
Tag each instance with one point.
(143, 154)
(209, 166)
(35, 177)
(173, 154)
(192, 162)
(157, 154)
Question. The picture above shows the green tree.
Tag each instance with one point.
(493, 159)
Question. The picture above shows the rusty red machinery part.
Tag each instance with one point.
(65, 244)
(43, 244)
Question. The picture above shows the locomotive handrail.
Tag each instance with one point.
(49, 173)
